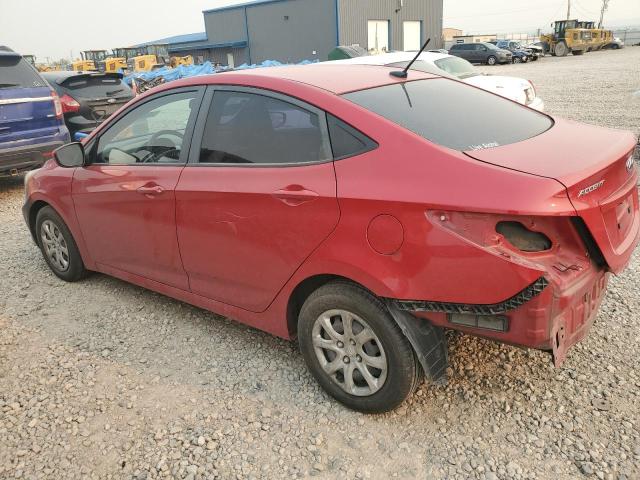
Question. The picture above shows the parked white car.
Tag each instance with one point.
(513, 88)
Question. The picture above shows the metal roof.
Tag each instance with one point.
(206, 46)
(177, 39)
(243, 5)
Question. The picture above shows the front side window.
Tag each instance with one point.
(248, 128)
(453, 114)
(151, 133)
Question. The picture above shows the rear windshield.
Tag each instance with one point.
(96, 86)
(452, 114)
(15, 72)
(457, 67)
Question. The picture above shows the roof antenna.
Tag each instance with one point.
(403, 73)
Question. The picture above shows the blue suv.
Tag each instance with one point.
(31, 120)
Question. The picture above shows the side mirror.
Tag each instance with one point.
(70, 155)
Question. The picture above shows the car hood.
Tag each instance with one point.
(593, 164)
(509, 87)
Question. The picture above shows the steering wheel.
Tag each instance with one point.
(153, 140)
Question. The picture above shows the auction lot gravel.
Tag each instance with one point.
(101, 379)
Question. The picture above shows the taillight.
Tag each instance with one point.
(69, 104)
(530, 93)
(57, 105)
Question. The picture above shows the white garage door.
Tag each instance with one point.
(378, 36)
(411, 34)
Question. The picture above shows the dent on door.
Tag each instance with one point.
(243, 232)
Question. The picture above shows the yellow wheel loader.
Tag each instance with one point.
(567, 37)
(150, 58)
(90, 60)
(186, 60)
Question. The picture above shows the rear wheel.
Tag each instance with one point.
(355, 349)
(561, 49)
(492, 60)
(58, 246)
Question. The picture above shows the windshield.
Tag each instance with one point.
(422, 66)
(452, 114)
(15, 71)
(456, 66)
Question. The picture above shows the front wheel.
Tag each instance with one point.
(561, 49)
(355, 349)
(492, 60)
(58, 247)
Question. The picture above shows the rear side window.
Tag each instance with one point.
(346, 141)
(248, 128)
(92, 87)
(452, 114)
(15, 72)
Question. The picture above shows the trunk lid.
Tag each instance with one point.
(27, 113)
(99, 94)
(26, 105)
(595, 166)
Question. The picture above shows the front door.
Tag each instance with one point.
(256, 198)
(125, 198)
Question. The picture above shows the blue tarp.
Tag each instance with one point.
(185, 71)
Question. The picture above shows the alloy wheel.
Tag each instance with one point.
(54, 245)
(350, 352)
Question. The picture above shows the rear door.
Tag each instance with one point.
(125, 199)
(257, 197)
(27, 110)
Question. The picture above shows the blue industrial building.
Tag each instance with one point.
(295, 30)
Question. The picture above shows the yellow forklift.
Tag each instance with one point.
(568, 37)
(150, 57)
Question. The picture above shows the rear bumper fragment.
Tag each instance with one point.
(512, 303)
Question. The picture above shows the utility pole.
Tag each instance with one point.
(568, 9)
(605, 5)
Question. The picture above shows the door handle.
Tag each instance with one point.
(294, 195)
(150, 190)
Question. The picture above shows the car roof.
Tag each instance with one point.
(334, 78)
(387, 58)
(7, 52)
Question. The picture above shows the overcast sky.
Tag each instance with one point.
(54, 28)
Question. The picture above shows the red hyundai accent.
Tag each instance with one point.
(360, 212)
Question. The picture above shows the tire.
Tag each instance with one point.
(60, 250)
(615, 47)
(331, 357)
(517, 60)
(491, 60)
(561, 49)
(578, 52)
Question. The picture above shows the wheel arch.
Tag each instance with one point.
(38, 202)
(33, 214)
(301, 292)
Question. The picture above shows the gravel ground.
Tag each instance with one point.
(101, 379)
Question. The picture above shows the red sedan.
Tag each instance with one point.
(360, 212)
